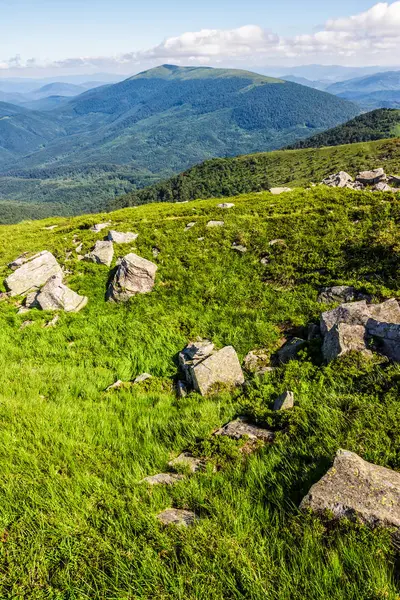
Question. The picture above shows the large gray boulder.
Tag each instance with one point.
(340, 180)
(54, 295)
(33, 273)
(194, 353)
(102, 253)
(134, 275)
(343, 338)
(356, 489)
(222, 367)
(122, 238)
(371, 177)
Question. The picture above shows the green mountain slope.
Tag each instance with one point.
(257, 172)
(167, 119)
(77, 523)
(376, 125)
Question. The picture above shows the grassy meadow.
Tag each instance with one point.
(75, 524)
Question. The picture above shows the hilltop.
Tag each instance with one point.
(155, 124)
(257, 172)
(75, 516)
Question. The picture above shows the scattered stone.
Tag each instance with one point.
(356, 489)
(50, 227)
(215, 223)
(337, 293)
(200, 239)
(190, 225)
(188, 462)
(226, 205)
(100, 226)
(54, 295)
(265, 261)
(285, 401)
(155, 251)
(263, 371)
(52, 323)
(277, 243)
(33, 273)
(102, 253)
(382, 187)
(23, 310)
(371, 177)
(241, 427)
(193, 353)
(163, 479)
(134, 275)
(356, 185)
(290, 349)
(339, 180)
(26, 324)
(78, 249)
(181, 389)
(175, 516)
(143, 377)
(239, 248)
(115, 386)
(222, 367)
(256, 360)
(122, 238)
(280, 190)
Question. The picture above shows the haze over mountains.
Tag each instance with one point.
(150, 126)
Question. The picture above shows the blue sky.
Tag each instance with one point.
(53, 30)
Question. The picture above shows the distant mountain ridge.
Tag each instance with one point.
(372, 91)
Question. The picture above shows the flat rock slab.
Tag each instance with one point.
(241, 427)
(122, 238)
(226, 205)
(33, 273)
(102, 253)
(100, 226)
(134, 275)
(215, 223)
(163, 479)
(143, 377)
(54, 295)
(371, 177)
(175, 516)
(222, 367)
(276, 191)
(354, 488)
(187, 461)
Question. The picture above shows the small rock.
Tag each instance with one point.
(256, 360)
(382, 187)
(52, 323)
(265, 260)
(190, 225)
(277, 243)
(155, 251)
(285, 401)
(100, 226)
(200, 239)
(175, 516)
(26, 324)
(102, 253)
(187, 461)
(23, 310)
(50, 227)
(163, 479)
(290, 350)
(78, 249)
(239, 248)
(54, 295)
(280, 190)
(122, 238)
(181, 389)
(215, 223)
(241, 427)
(31, 300)
(18, 262)
(356, 489)
(337, 293)
(134, 275)
(115, 386)
(371, 177)
(193, 353)
(143, 377)
(226, 205)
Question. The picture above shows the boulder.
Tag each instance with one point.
(100, 226)
(215, 223)
(163, 479)
(285, 401)
(193, 353)
(290, 350)
(122, 238)
(134, 275)
(279, 190)
(175, 516)
(226, 205)
(343, 338)
(356, 489)
(54, 295)
(242, 428)
(188, 462)
(371, 177)
(382, 187)
(222, 367)
(340, 180)
(352, 313)
(386, 337)
(102, 253)
(33, 273)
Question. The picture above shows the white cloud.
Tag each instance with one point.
(370, 37)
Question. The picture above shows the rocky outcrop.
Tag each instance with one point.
(102, 253)
(343, 338)
(371, 177)
(134, 275)
(33, 273)
(377, 180)
(356, 489)
(118, 237)
(54, 295)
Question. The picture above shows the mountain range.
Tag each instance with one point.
(150, 126)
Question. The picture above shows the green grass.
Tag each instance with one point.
(75, 523)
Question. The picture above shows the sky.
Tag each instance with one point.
(49, 37)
